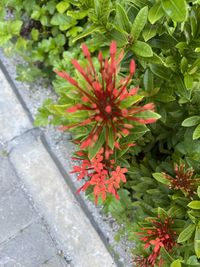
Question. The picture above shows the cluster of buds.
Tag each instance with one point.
(184, 180)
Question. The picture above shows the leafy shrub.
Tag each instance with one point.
(162, 169)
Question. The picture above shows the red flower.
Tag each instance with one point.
(157, 236)
(103, 98)
(141, 261)
(183, 180)
(101, 175)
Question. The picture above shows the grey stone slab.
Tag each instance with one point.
(58, 205)
(55, 262)
(30, 248)
(13, 119)
(15, 213)
(8, 178)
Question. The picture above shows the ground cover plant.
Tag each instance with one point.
(127, 74)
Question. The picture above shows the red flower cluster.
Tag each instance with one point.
(101, 174)
(141, 261)
(183, 180)
(157, 236)
(103, 98)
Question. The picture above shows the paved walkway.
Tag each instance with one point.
(41, 223)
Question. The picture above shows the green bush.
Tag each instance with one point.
(159, 203)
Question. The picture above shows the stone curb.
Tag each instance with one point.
(66, 213)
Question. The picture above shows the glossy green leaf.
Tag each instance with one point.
(63, 21)
(197, 242)
(15, 27)
(160, 71)
(176, 263)
(62, 6)
(188, 80)
(198, 191)
(149, 32)
(139, 23)
(92, 151)
(122, 18)
(148, 114)
(196, 133)
(195, 204)
(191, 121)
(129, 101)
(164, 97)
(161, 178)
(86, 32)
(155, 12)
(111, 139)
(186, 233)
(142, 49)
(180, 88)
(148, 80)
(176, 10)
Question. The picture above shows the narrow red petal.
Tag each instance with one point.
(113, 48)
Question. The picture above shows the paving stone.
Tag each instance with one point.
(15, 214)
(58, 205)
(55, 262)
(13, 119)
(29, 249)
(8, 178)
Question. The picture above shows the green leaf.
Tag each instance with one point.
(164, 97)
(188, 80)
(92, 151)
(196, 133)
(77, 14)
(198, 191)
(180, 87)
(136, 133)
(148, 114)
(129, 101)
(176, 263)
(35, 34)
(111, 139)
(197, 242)
(85, 33)
(122, 18)
(191, 121)
(195, 204)
(103, 10)
(148, 80)
(142, 49)
(162, 213)
(160, 177)
(15, 27)
(139, 23)
(63, 21)
(166, 256)
(149, 32)
(155, 13)
(176, 10)
(160, 71)
(186, 233)
(62, 6)
(184, 64)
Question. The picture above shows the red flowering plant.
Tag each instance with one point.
(110, 110)
(158, 234)
(184, 180)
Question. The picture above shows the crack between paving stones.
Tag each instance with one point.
(19, 232)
